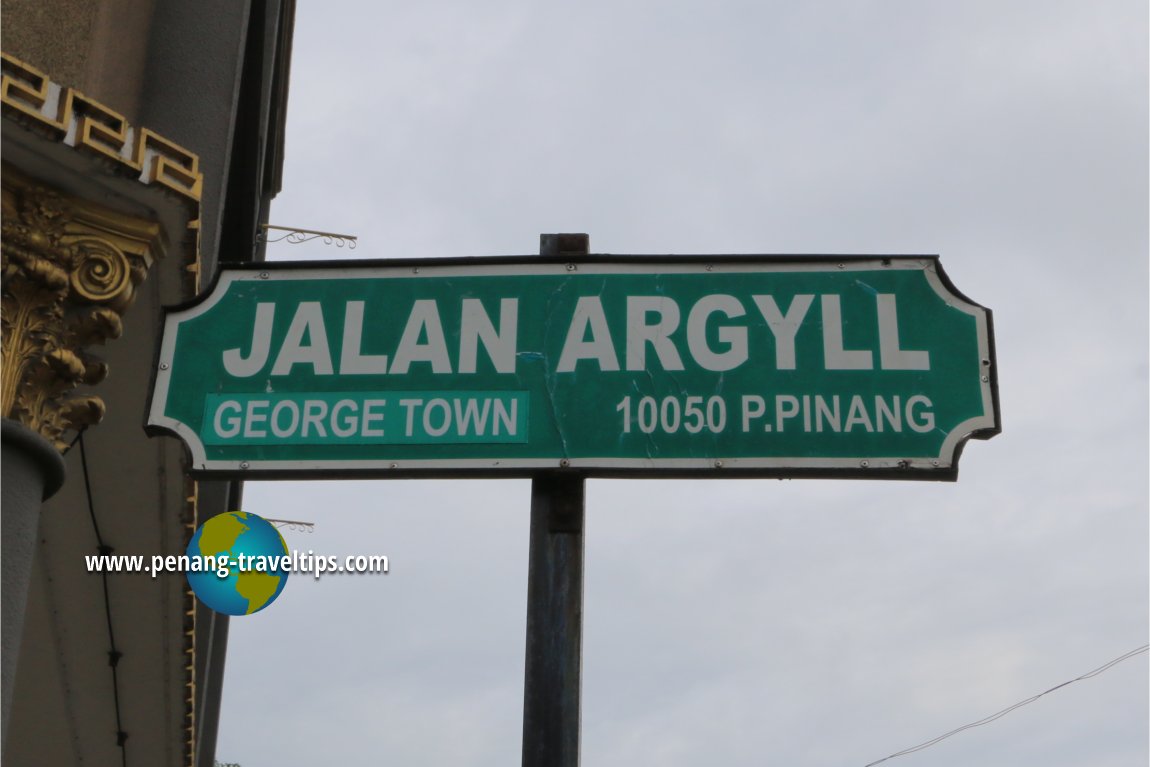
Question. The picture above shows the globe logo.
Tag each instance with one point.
(242, 557)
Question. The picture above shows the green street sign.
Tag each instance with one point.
(780, 366)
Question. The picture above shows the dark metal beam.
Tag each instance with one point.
(553, 672)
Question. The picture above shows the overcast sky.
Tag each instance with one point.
(741, 622)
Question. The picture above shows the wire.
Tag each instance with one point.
(1020, 704)
(114, 655)
(75, 439)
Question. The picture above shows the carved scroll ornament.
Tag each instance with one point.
(70, 270)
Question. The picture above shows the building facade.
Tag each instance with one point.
(142, 145)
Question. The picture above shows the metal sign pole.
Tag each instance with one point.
(552, 675)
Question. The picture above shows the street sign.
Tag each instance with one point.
(610, 365)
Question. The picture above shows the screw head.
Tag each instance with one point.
(263, 275)
(245, 465)
(986, 379)
(718, 464)
(163, 366)
(564, 463)
(864, 464)
(571, 267)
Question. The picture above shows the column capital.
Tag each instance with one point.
(71, 268)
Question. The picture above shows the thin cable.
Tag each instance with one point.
(75, 439)
(88, 490)
(1020, 704)
(114, 655)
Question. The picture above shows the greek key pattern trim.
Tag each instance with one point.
(66, 115)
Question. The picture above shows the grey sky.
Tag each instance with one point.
(741, 622)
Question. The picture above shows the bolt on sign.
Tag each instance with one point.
(612, 365)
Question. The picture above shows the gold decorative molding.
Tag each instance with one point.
(70, 270)
(68, 116)
(192, 520)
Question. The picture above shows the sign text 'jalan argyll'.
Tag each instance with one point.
(771, 366)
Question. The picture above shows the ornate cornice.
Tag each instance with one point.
(70, 270)
(67, 116)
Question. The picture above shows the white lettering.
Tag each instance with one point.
(786, 406)
(466, 415)
(639, 333)
(588, 315)
(437, 431)
(314, 411)
(308, 320)
(293, 409)
(424, 319)
(240, 367)
(754, 406)
(836, 357)
(410, 405)
(892, 415)
(734, 336)
(784, 326)
(927, 422)
(350, 423)
(254, 416)
(351, 360)
(475, 326)
(857, 415)
(506, 419)
(233, 423)
(370, 416)
(891, 356)
(822, 411)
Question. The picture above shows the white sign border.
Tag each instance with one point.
(944, 464)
